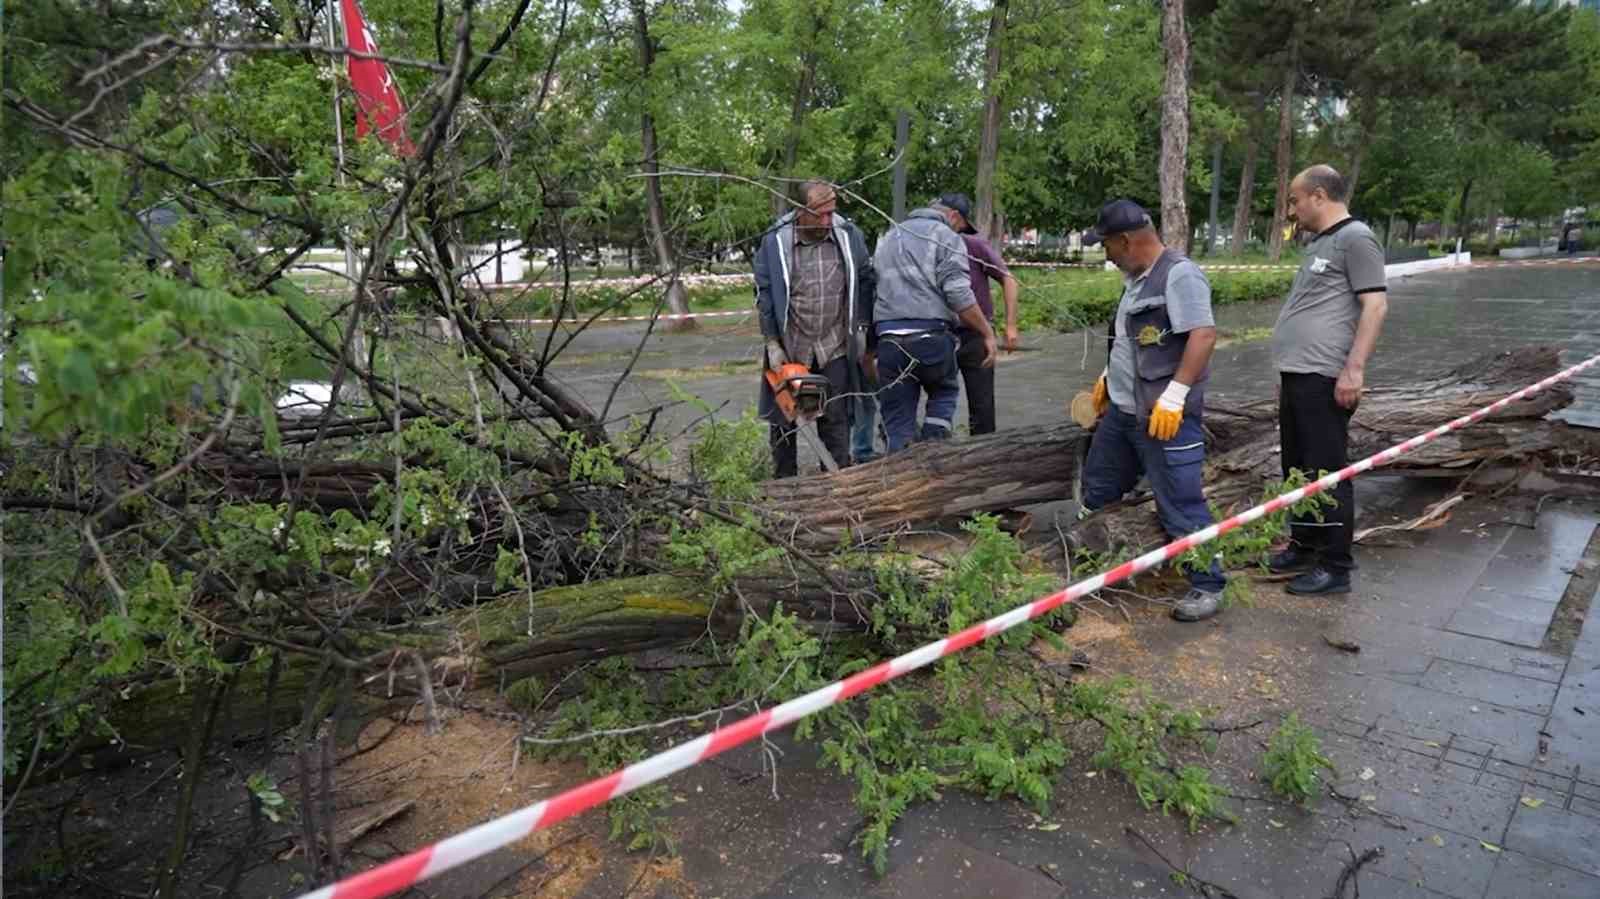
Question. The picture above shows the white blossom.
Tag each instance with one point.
(381, 547)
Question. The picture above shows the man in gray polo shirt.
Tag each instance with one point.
(1151, 398)
(1325, 334)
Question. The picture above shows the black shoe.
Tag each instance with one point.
(1291, 559)
(1320, 581)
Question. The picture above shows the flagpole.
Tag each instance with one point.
(350, 268)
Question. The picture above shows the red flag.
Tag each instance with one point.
(378, 103)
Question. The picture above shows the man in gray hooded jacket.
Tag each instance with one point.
(923, 292)
(814, 292)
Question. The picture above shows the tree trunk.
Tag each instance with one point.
(507, 638)
(1175, 127)
(1216, 197)
(656, 211)
(989, 139)
(1243, 208)
(902, 138)
(1365, 125)
(798, 108)
(1462, 217)
(1280, 210)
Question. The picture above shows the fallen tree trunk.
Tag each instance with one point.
(498, 642)
(1012, 468)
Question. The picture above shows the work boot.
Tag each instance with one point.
(1320, 581)
(1291, 559)
(1197, 605)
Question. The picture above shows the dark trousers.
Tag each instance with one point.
(979, 382)
(908, 366)
(1314, 431)
(1122, 449)
(833, 425)
(864, 426)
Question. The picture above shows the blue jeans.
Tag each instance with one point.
(908, 366)
(1121, 450)
(864, 422)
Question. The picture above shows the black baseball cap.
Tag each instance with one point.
(1117, 217)
(961, 204)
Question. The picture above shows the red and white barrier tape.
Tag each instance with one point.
(1516, 263)
(626, 318)
(429, 861)
(1223, 267)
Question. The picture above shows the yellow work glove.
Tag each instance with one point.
(1101, 399)
(1168, 412)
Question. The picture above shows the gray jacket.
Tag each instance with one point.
(922, 272)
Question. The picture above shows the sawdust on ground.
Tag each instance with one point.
(469, 773)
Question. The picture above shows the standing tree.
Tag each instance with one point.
(1285, 154)
(988, 223)
(655, 208)
(1175, 127)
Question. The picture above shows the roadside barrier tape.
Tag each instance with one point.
(580, 286)
(1220, 267)
(402, 873)
(1516, 263)
(624, 318)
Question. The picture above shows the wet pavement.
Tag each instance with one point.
(1436, 320)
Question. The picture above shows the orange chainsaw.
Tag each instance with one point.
(800, 396)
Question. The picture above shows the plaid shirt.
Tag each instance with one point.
(817, 331)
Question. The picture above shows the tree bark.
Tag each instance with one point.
(655, 208)
(1462, 217)
(507, 638)
(1244, 207)
(1216, 197)
(1280, 212)
(902, 138)
(1175, 127)
(800, 106)
(989, 139)
(1366, 124)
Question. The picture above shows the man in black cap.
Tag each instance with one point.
(983, 263)
(1150, 397)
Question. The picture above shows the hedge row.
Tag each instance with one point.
(1086, 299)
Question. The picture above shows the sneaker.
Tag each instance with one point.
(1291, 559)
(1197, 605)
(1320, 581)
